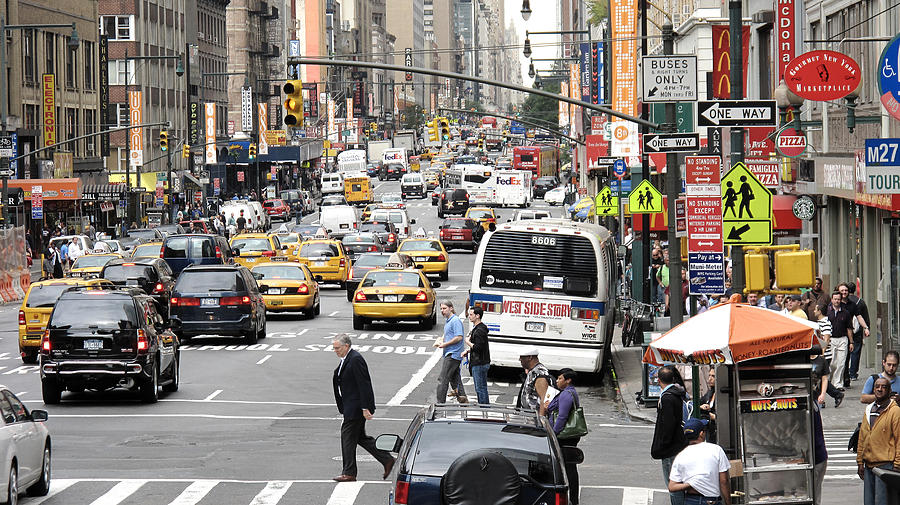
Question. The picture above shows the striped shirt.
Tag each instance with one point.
(825, 332)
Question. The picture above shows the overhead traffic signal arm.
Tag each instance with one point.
(293, 104)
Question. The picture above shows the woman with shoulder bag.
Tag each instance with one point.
(568, 423)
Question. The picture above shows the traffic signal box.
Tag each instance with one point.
(252, 151)
(756, 271)
(795, 269)
(185, 151)
(293, 104)
(445, 128)
(164, 141)
(433, 130)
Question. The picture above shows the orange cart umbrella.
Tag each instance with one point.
(730, 333)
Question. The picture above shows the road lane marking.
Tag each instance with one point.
(195, 492)
(272, 493)
(119, 492)
(414, 381)
(334, 313)
(636, 496)
(219, 417)
(213, 395)
(56, 486)
(266, 358)
(344, 493)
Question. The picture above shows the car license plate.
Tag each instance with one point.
(421, 258)
(209, 302)
(535, 327)
(457, 237)
(93, 344)
(274, 291)
(390, 298)
(345, 225)
(320, 263)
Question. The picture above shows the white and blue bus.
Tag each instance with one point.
(548, 283)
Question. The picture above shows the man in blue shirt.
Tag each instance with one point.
(451, 346)
(889, 365)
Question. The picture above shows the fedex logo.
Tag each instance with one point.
(509, 181)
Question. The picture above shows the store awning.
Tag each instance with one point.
(193, 179)
(783, 217)
(51, 189)
(102, 192)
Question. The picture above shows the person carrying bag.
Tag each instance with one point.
(567, 418)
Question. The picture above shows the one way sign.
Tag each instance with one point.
(672, 142)
(739, 113)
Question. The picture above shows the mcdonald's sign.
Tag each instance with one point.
(722, 60)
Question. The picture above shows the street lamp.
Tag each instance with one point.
(179, 67)
(527, 49)
(526, 9)
(531, 72)
(785, 98)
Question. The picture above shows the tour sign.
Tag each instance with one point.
(672, 142)
(645, 199)
(746, 208)
(739, 113)
(791, 143)
(671, 78)
(605, 204)
(882, 159)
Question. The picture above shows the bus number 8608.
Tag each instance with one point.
(542, 240)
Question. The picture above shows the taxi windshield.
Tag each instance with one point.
(480, 214)
(148, 250)
(392, 279)
(91, 261)
(420, 245)
(319, 250)
(251, 244)
(286, 272)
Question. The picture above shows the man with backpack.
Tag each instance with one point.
(889, 371)
(668, 435)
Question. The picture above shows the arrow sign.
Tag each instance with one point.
(738, 113)
(672, 142)
(736, 232)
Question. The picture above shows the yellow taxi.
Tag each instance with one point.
(326, 259)
(484, 216)
(432, 179)
(429, 254)
(252, 248)
(90, 265)
(148, 250)
(35, 311)
(439, 166)
(291, 240)
(367, 211)
(395, 293)
(288, 286)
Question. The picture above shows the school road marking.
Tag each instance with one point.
(414, 381)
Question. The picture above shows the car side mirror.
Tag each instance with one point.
(420, 266)
(435, 285)
(509, 220)
(235, 252)
(389, 442)
(319, 278)
(284, 247)
(492, 227)
(39, 415)
(412, 221)
(263, 287)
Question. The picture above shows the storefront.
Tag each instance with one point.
(104, 205)
(60, 206)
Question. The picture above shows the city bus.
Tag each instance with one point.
(551, 284)
(539, 160)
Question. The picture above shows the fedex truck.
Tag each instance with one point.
(488, 186)
(396, 155)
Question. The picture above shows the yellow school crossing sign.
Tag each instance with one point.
(645, 199)
(605, 204)
(746, 208)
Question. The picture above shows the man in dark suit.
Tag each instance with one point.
(356, 400)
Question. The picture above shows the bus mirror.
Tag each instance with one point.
(622, 251)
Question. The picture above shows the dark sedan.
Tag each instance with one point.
(543, 185)
(386, 231)
(358, 243)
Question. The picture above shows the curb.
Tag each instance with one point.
(628, 378)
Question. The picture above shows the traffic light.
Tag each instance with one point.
(252, 152)
(293, 104)
(433, 130)
(185, 151)
(481, 144)
(373, 127)
(795, 269)
(756, 271)
(164, 141)
(445, 128)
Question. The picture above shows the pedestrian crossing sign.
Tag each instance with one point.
(645, 199)
(605, 204)
(746, 208)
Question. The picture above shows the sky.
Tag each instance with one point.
(544, 17)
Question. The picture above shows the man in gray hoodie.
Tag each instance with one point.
(668, 435)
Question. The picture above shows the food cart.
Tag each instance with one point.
(765, 410)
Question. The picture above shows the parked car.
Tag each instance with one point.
(102, 339)
(181, 251)
(218, 300)
(490, 454)
(26, 448)
(461, 232)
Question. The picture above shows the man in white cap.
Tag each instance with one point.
(537, 380)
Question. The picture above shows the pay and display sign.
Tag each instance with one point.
(706, 273)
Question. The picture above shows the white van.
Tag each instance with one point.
(261, 215)
(413, 185)
(332, 182)
(339, 220)
(234, 208)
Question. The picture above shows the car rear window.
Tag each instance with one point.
(288, 272)
(458, 224)
(100, 310)
(375, 227)
(372, 260)
(92, 261)
(144, 234)
(442, 442)
(480, 214)
(199, 281)
(394, 279)
(319, 251)
(421, 245)
(189, 247)
(251, 244)
(119, 273)
(45, 295)
(143, 251)
(357, 238)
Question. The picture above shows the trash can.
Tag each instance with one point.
(892, 479)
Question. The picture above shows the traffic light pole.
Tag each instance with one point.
(171, 185)
(673, 188)
(735, 10)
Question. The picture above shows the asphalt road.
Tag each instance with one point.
(257, 425)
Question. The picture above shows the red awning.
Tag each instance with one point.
(783, 217)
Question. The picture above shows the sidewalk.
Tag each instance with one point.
(626, 362)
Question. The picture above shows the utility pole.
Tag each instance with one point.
(647, 281)
(673, 187)
(735, 12)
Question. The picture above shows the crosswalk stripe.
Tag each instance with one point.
(195, 492)
(272, 493)
(56, 486)
(636, 496)
(119, 492)
(345, 493)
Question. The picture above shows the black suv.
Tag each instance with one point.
(471, 454)
(217, 300)
(391, 171)
(152, 275)
(102, 339)
(453, 201)
(544, 184)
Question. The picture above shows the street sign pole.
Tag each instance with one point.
(735, 27)
(673, 185)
